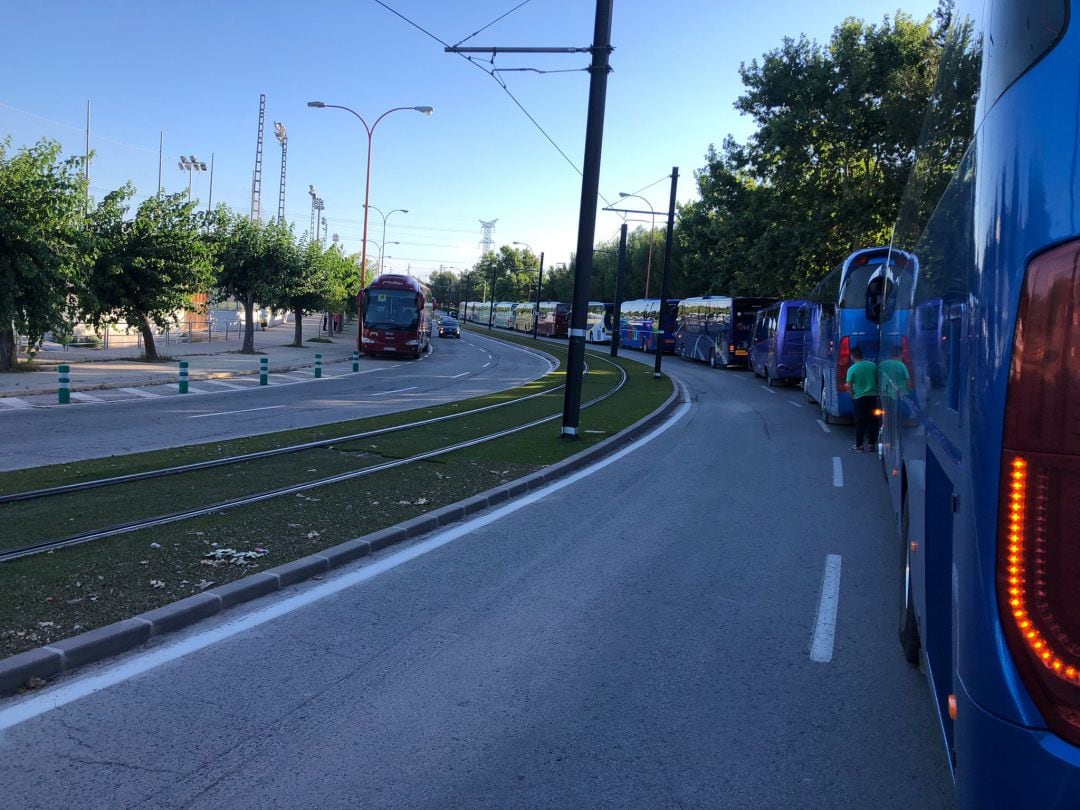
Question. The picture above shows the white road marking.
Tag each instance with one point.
(486, 365)
(229, 413)
(796, 404)
(225, 384)
(78, 687)
(141, 392)
(395, 391)
(79, 395)
(837, 472)
(768, 389)
(823, 426)
(15, 403)
(462, 374)
(821, 647)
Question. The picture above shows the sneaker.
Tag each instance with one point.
(856, 448)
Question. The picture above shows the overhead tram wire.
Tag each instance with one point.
(497, 19)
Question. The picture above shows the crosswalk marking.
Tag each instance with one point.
(15, 403)
(141, 392)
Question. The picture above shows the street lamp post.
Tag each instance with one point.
(385, 217)
(189, 164)
(382, 250)
(370, 130)
(652, 229)
(539, 285)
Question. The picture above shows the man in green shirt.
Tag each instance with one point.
(894, 371)
(862, 384)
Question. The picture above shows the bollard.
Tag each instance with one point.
(355, 361)
(264, 371)
(183, 376)
(318, 366)
(65, 385)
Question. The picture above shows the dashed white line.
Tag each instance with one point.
(793, 402)
(823, 426)
(230, 413)
(837, 472)
(768, 389)
(821, 647)
(486, 365)
(395, 391)
(462, 374)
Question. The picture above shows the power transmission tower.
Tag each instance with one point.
(487, 243)
(256, 179)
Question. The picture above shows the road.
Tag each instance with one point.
(707, 621)
(456, 369)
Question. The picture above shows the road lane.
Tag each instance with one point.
(640, 639)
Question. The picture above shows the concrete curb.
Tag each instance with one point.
(105, 642)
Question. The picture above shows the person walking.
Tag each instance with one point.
(862, 385)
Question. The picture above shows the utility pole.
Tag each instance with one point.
(667, 265)
(620, 272)
(590, 190)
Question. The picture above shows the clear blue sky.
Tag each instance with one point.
(195, 71)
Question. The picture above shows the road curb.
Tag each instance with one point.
(112, 639)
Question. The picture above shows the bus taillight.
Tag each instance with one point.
(843, 363)
(1038, 558)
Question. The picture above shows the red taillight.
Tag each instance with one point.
(1038, 562)
(843, 363)
(905, 357)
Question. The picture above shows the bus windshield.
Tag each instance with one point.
(390, 309)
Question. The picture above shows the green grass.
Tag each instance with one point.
(55, 595)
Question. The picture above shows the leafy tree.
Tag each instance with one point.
(42, 202)
(251, 264)
(143, 269)
(443, 286)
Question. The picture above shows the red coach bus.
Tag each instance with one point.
(397, 316)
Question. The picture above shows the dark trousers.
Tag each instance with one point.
(865, 421)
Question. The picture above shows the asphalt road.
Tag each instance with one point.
(654, 635)
(456, 369)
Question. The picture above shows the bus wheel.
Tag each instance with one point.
(826, 417)
(909, 628)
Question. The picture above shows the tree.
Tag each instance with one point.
(248, 267)
(143, 269)
(41, 205)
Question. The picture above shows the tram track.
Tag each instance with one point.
(43, 546)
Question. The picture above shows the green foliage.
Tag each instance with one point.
(142, 269)
(41, 206)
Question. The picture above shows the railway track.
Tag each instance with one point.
(409, 430)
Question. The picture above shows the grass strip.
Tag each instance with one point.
(55, 595)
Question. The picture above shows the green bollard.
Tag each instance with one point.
(65, 385)
(318, 366)
(264, 371)
(183, 376)
(355, 361)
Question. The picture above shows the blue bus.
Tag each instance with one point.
(716, 329)
(637, 324)
(982, 454)
(776, 341)
(845, 314)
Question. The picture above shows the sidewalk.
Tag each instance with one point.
(221, 359)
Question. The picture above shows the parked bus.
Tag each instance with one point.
(984, 474)
(598, 322)
(638, 324)
(776, 341)
(715, 329)
(397, 316)
(553, 319)
(844, 315)
(524, 317)
(504, 314)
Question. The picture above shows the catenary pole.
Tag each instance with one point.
(539, 291)
(590, 190)
(620, 273)
(667, 266)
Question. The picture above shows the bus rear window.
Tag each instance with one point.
(1020, 32)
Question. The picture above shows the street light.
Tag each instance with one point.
(370, 130)
(384, 218)
(652, 229)
(189, 164)
(539, 285)
(382, 247)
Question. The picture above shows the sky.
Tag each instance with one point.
(506, 148)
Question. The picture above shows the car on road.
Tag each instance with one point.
(448, 327)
